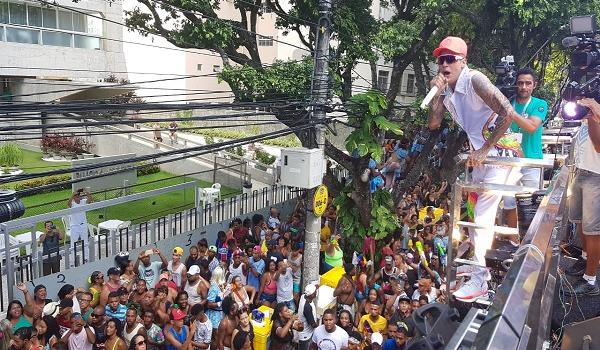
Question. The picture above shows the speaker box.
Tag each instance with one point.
(578, 333)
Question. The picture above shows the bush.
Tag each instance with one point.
(28, 184)
(147, 169)
(65, 144)
(10, 154)
(264, 157)
(209, 140)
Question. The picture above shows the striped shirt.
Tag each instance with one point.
(118, 314)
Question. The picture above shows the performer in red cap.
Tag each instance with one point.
(485, 114)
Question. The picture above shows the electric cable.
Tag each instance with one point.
(202, 149)
(186, 154)
(38, 136)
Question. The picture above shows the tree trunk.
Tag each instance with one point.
(418, 167)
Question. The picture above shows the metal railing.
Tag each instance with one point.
(105, 244)
(519, 317)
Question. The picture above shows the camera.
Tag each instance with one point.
(584, 76)
(506, 76)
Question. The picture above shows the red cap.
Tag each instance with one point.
(387, 251)
(177, 314)
(451, 44)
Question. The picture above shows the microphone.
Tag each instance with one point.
(570, 41)
(429, 97)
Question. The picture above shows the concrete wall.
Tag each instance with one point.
(78, 276)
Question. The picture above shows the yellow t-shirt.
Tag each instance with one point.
(367, 326)
(325, 235)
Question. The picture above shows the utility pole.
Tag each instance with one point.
(320, 94)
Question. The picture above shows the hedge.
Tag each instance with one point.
(28, 184)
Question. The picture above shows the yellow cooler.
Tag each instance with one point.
(262, 331)
(332, 277)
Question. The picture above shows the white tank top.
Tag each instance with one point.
(176, 274)
(129, 336)
(468, 109)
(192, 291)
(237, 271)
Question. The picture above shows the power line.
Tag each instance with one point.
(199, 150)
(38, 136)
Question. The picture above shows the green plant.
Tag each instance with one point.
(28, 184)
(264, 157)
(10, 154)
(147, 169)
(209, 140)
(239, 151)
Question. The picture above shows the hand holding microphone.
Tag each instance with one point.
(437, 83)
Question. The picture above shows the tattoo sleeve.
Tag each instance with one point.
(492, 97)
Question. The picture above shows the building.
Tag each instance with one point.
(70, 47)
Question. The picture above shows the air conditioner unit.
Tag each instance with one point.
(302, 167)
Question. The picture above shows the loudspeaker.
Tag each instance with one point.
(578, 333)
(435, 324)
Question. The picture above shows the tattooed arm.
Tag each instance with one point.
(492, 97)
(436, 108)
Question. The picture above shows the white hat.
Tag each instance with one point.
(50, 309)
(376, 338)
(194, 270)
(310, 289)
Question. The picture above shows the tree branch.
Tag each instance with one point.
(338, 155)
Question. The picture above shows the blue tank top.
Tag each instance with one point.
(181, 337)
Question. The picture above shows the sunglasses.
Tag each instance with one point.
(448, 59)
(97, 315)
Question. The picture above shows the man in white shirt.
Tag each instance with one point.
(328, 336)
(307, 313)
(78, 225)
(584, 208)
(485, 115)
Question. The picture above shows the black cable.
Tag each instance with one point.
(115, 132)
(203, 149)
(219, 147)
(104, 107)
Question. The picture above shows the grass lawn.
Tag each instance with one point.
(33, 163)
(136, 211)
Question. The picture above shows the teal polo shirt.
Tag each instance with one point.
(531, 143)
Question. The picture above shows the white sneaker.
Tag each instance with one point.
(468, 270)
(475, 288)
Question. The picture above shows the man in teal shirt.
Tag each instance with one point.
(531, 113)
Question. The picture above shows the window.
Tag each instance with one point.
(79, 22)
(56, 39)
(65, 20)
(199, 67)
(94, 25)
(86, 42)
(34, 15)
(265, 8)
(48, 18)
(383, 80)
(265, 41)
(24, 36)
(18, 13)
(410, 83)
(3, 12)
(216, 68)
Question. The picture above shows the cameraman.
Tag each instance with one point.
(50, 241)
(584, 202)
(530, 115)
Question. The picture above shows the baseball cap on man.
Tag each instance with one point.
(377, 338)
(178, 251)
(212, 248)
(451, 45)
(194, 270)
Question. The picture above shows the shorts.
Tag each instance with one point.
(531, 178)
(268, 297)
(584, 202)
(297, 287)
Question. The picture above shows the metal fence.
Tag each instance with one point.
(25, 259)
